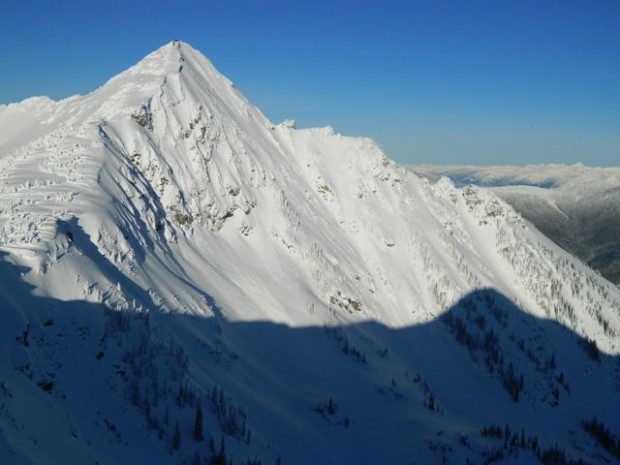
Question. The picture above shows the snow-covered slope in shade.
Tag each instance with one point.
(177, 269)
(577, 206)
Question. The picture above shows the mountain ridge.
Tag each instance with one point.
(575, 205)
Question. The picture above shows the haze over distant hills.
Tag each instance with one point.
(577, 206)
(185, 282)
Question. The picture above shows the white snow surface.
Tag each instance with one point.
(287, 266)
(577, 206)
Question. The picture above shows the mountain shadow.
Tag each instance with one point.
(483, 383)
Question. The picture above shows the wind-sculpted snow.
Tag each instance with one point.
(168, 251)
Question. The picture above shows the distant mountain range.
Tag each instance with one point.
(183, 281)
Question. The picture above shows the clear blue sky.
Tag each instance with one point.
(432, 81)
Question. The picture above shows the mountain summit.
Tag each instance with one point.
(185, 281)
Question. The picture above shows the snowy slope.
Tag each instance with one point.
(170, 254)
(577, 206)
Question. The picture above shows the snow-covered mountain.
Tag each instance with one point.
(577, 206)
(184, 281)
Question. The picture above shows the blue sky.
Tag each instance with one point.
(463, 82)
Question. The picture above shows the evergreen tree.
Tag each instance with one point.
(198, 432)
(176, 437)
(220, 457)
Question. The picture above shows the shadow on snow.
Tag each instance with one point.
(338, 394)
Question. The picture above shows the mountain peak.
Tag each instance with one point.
(176, 69)
(158, 63)
(171, 58)
(173, 52)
